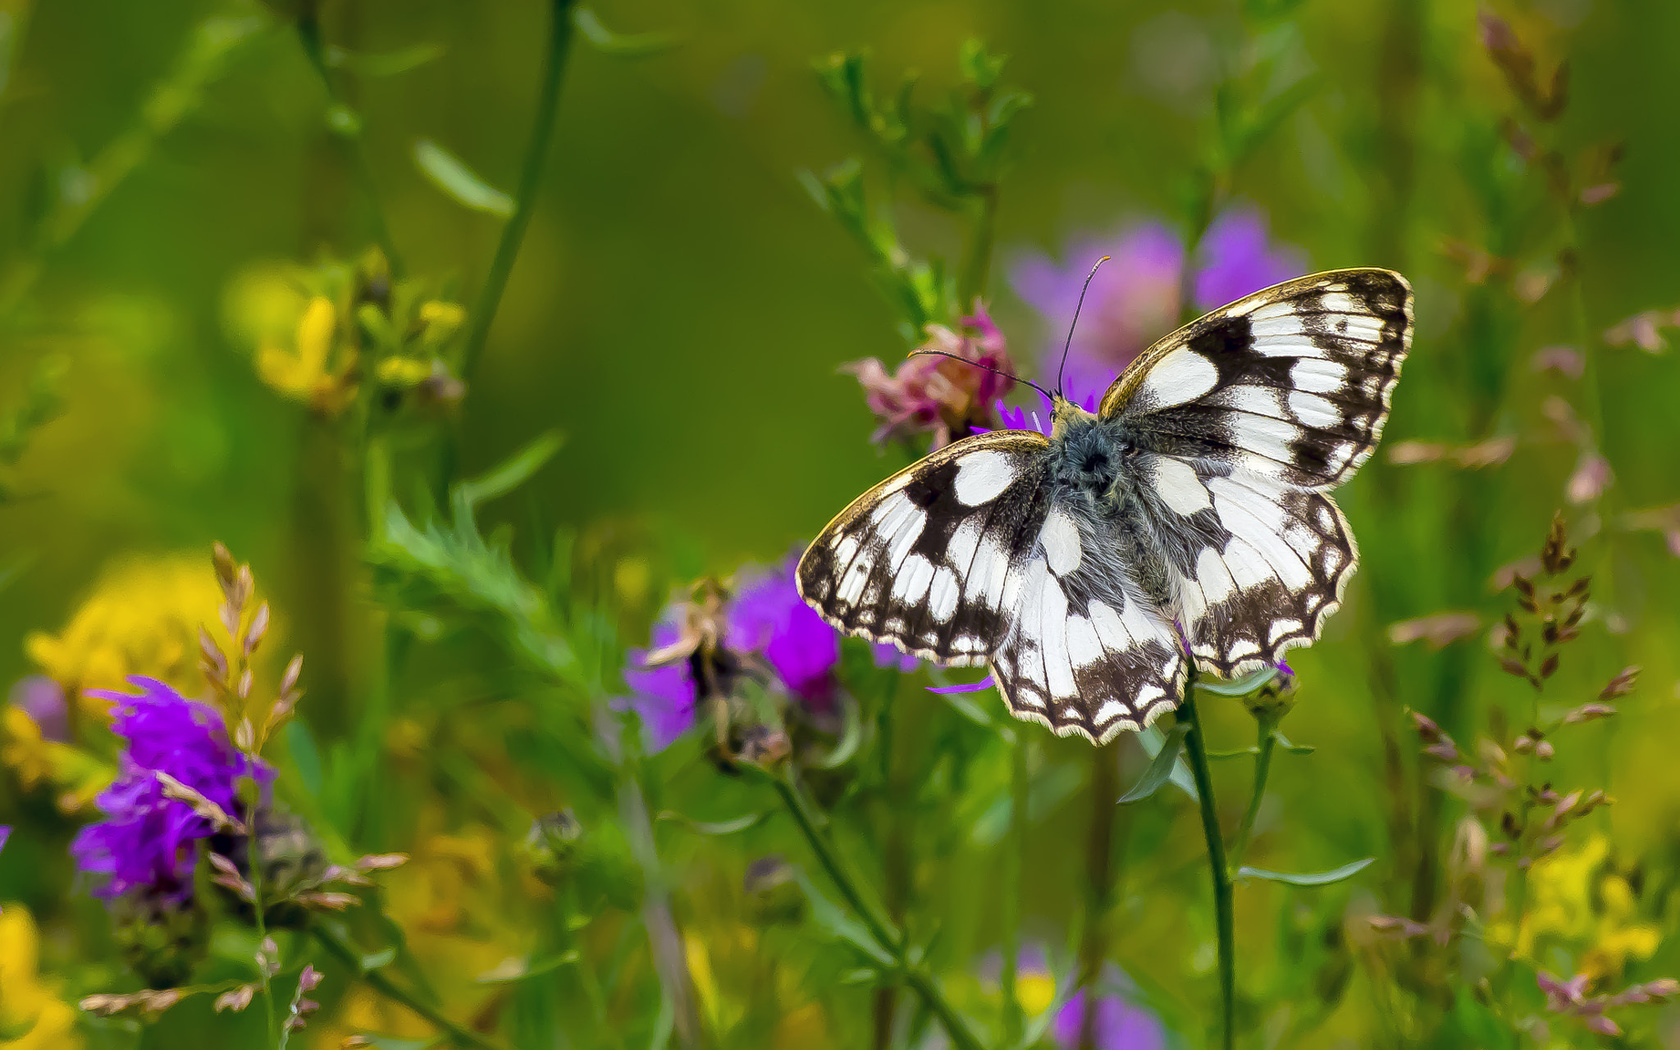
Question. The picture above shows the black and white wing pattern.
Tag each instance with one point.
(922, 559)
(965, 558)
(1246, 419)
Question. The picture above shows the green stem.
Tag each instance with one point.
(1262, 767)
(254, 861)
(1196, 744)
(892, 940)
(1014, 858)
(530, 179)
(1099, 879)
(382, 984)
(346, 124)
(977, 266)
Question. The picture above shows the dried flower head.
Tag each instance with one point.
(940, 395)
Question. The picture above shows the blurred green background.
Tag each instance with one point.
(681, 306)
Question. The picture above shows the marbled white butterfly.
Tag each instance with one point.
(1191, 515)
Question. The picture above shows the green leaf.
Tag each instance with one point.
(842, 927)
(386, 63)
(306, 757)
(851, 736)
(513, 471)
(1151, 739)
(721, 827)
(1315, 878)
(1161, 768)
(1242, 686)
(1294, 749)
(535, 969)
(619, 45)
(451, 175)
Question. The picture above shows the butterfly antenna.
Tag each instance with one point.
(1075, 321)
(976, 364)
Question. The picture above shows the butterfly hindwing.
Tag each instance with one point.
(1084, 653)
(921, 560)
(1292, 382)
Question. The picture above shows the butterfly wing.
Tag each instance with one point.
(921, 560)
(964, 557)
(1248, 417)
(1085, 652)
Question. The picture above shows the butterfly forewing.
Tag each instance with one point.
(1292, 382)
(921, 560)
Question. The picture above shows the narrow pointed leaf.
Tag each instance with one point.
(619, 45)
(1160, 770)
(451, 175)
(1314, 878)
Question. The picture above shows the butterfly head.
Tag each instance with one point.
(1064, 414)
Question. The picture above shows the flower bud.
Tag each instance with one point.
(550, 847)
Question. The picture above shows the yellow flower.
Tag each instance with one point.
(32, 1017)
(1564, 907)
(441, 319)
(143, 618)
(403, 371)
(302, 372)
(1035, 992)
(75, 775)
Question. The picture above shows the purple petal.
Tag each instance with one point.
(973, 687)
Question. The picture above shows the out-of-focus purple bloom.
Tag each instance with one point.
(765, 620)
(887, 655)
(42, 699)
(1133, 300)
(1136, 297)
(1117, 1025)
(966, 687)
(145, 842)
(5, 833)
(769, 618)
(663, 697)
(938, 395)
(1235, 259)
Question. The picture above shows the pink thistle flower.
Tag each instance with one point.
(937, 395)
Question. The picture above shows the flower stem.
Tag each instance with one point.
(382, 984)
(1196, 744)
(345, 124)
(253, 859)
(1014, 858)
(1262, 768)
(530, 179)
(887, 935)
(1099, 879)
(977, 264)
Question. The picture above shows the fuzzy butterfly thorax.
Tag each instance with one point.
(1190, 517)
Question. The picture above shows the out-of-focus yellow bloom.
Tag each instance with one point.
(303, 371)
(1035, 992)
(403, 371)
(32, 1017)
(441, 319)
(142, 618)
(1602, 926)
(75, 775)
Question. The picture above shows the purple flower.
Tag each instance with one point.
(1136, 297)
(145, 842)
(765, 620)
(1118, 1025)
(769, 618)
(938, 395)
(663, 697)
(887, 655)
(1235, 260)
(1133, 300)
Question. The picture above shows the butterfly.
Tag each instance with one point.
(1190, 517)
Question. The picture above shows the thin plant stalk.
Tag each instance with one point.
(880, 927)
(1262, 768)
(1195, 744)
(977, 265)
(379, 982)
(254, 860)
(1100, 878)
(530, 180)
(346, 124)
(1014, 859)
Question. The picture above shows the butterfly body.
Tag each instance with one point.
(1188, 518)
